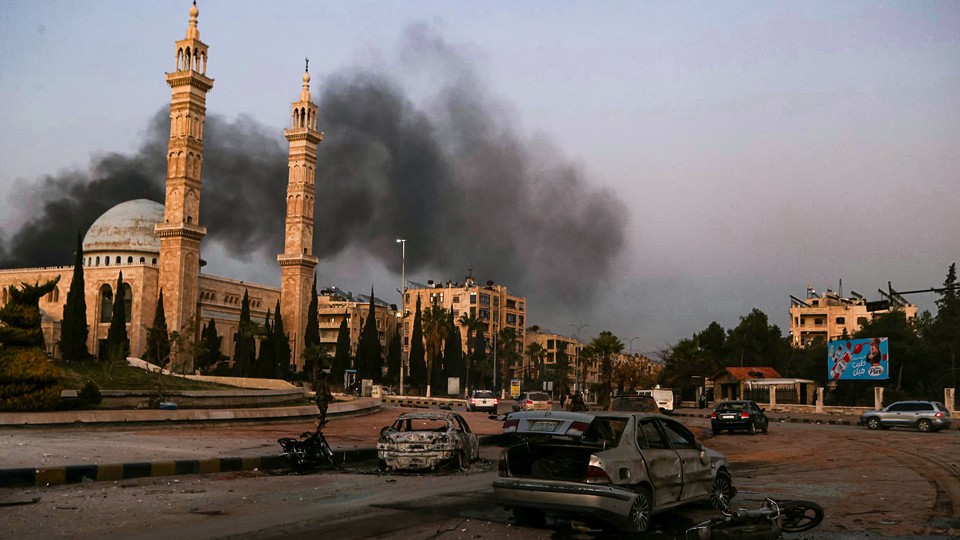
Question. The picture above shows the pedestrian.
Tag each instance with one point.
(563, 398)
(323, 397)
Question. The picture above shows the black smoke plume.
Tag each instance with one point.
(453, 177)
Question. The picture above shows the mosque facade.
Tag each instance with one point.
(158, 246)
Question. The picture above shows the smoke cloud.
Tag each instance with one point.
(452, 176)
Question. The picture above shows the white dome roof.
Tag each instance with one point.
(128, 226)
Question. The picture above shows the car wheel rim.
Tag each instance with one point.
(720, 495)
(640, 513)
(924, 426)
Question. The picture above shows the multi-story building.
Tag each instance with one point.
(492, 304)
(828, 316)
(554, 345)
(335, 305)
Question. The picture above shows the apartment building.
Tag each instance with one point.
(492, 303)
(335, 305)
(554, 346)
(825, 317)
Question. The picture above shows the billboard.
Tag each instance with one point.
(858, 360)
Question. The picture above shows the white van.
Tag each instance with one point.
(664, 397)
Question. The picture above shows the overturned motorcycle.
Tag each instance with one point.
(765, 523)
(309, 452)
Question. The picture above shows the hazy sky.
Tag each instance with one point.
(728, 153)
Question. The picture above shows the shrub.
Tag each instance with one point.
(89, 396)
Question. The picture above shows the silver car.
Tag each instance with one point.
(618, 468)
(923, 415)
(427, 440)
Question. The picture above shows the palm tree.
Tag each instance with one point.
(537, 354)
(605, 346)
(434, 332)
(471, 323)
(507, 354)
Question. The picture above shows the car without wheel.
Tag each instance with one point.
(923, 415)
(614, 468)
(427, 440)
(739, 415)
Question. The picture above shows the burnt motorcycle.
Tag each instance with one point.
(765, 523)
(309, 452)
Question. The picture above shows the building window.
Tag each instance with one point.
(484, 313)
(841, 320)
(511, 318)
(473, 298)
(98, 260)
(106, 303)
(456, 299)
(521, 306)
(154, 262)
(118, 259)
(550, 343)
(496, 301)
(143, 260)
(484, 299)
(436, 298)
(818, 322)
(127, 302)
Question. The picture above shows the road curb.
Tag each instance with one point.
(77, 474)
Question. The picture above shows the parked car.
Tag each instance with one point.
(739, 415)
(923, 415)
(635, 403)
(533, 401)
(482, 400)
(614, 468)
(427, 440)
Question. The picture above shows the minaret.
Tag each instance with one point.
(180, 233)
(297, 261)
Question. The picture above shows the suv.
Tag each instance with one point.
(533, 401)
(923, 415)
(482, 400)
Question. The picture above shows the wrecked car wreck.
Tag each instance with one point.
(614, 468)
(427, 440)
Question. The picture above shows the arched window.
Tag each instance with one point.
(118, 259)
(129, 260)
(4, 297)
(154, 261)
(98, 260)
(106, 303)
(127, 302)
(143, 260)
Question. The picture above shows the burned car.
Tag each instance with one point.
(614, 468)
(427, 440)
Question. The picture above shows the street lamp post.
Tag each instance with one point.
(631, 344)
(576, 360)
(403, 311)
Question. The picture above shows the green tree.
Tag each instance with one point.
(755, 342)
(606, 345)
(471, 324)
(118, 345)
(158, 337)
(912, 362)
(560, 374)
(74, 330)
(508, 355)
(418, 365)
(210, 355)
(453, 363)
(311, 335)
(536, 353)
(280, 341)
(369, 359)
(394, 351)
(945, 329)
(28, 380)
(245, 345)
(341, 358)
(434, 332)
(481, 365)
(265, 366)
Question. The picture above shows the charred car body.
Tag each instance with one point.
(618, 468)
(427, 440)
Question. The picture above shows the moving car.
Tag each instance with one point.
(664, 397)
(615, 468)
(635, 403)
(533, 401)
(923, 415)
(482, 400)
(739, 415)
(427, 440)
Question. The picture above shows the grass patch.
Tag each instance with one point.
(74, 375)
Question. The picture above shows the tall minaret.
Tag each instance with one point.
(180, 233)
(297, 261)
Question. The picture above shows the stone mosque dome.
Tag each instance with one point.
(127, 227)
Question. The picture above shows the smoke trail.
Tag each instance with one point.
(453, 177)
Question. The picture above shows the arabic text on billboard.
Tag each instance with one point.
(858, 359)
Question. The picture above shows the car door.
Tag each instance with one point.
(898, 415)
(664, 468)
(471, 446)
(697, 474)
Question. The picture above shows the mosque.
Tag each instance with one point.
(157, 246)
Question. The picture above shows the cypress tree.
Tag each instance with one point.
(453, 364)
(478, 360)
(158, 338)
(369, 361)
(245, 349)
(418, 364)
(267, 360)
(74, 330)
(311, 335)
(210, 347)
(281, 344)
(341, 360)
(393, 360)
(118, 345)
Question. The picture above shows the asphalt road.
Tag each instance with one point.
(897, 483)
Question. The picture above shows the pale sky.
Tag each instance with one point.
(749, 148)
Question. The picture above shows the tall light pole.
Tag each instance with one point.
(403, 310)
(631, 344)
(576, 360)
